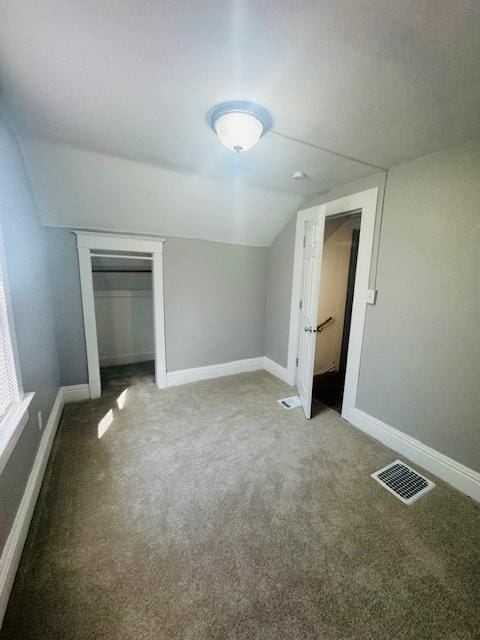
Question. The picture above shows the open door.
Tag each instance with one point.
(309, 237)
(312, 260)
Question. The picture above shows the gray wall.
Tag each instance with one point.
(279, 291)
(337, 247)
(65, 285)
(125, 274)
(369, 182)
(116, 281)
(25, 253)
(280, 266)
(214, 303)
(420, 368)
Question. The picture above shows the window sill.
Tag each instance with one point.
(12, 426)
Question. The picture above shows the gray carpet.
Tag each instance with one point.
(210, 512)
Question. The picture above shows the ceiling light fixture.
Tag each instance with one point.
(299, 175)
(239, 124)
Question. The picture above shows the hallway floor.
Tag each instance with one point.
(208, 511)
(328, 389)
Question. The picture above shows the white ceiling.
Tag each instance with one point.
(89, 190)
(379, 80)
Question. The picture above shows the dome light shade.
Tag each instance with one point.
(238, 131)
(239, 125)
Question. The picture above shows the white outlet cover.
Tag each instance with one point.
(371, 296)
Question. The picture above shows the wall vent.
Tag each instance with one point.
(403, 481)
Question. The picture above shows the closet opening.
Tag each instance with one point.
(121, 279)
(122, 286)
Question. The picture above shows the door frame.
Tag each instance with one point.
(88, 241)
(366, 203)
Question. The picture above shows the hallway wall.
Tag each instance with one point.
(333, 290)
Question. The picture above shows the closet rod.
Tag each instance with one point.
(115, 255)
(121, 271)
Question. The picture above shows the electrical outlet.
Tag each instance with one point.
(40, 420)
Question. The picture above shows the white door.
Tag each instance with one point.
(312, 257)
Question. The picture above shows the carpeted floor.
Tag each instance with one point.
(210, 512)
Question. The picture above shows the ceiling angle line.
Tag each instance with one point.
(335, 153)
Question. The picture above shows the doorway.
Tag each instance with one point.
(338, 269)
(123, 295)
(112, 252)
(304, 308)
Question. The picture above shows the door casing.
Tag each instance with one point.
(366, 203)
(88, 241)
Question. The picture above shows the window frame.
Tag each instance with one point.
(17, 416)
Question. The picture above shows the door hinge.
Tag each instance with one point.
(300, 305)
(296, 362)
(304, 241)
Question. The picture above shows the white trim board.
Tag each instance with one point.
(75, 393)
(184, 376)
(325, 369)
(450, 471)
(88, 242)
(366, 202)
(275, 369)
(16, 539)
(12, 428)
(117, 241)
(123, 293)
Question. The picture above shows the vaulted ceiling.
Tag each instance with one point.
(377, 81)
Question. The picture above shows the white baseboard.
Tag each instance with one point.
(110, 361)
(185, 376)
(325, 369)
(454, 473)
(275, 369)
(75, 393)
(18, 533)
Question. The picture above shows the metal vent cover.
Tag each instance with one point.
(404, 482)
(290, 403)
